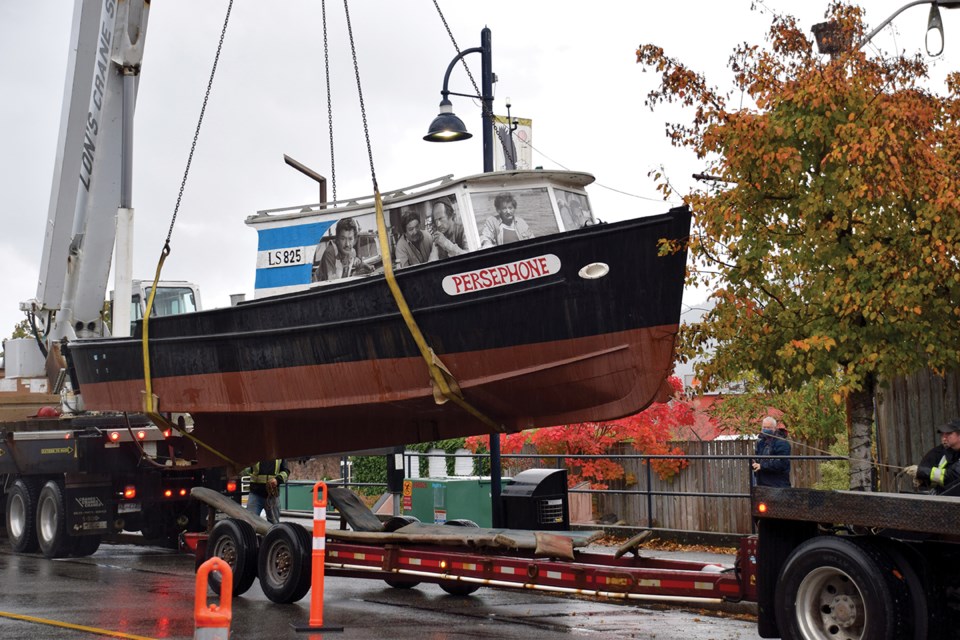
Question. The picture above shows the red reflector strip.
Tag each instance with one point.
(356, 556)
(420, 562)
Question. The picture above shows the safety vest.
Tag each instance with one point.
(938, 473)
(258, 477)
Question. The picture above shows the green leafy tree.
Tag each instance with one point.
(20, 330)
(829, 235)
(374, 468)
(809, 412)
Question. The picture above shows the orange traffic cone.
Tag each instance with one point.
(213, 622)
(318, 558)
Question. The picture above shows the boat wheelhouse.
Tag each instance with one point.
(293, 241)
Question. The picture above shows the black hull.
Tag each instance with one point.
(342, 350)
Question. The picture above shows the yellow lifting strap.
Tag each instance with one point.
(443, 380)
(149, 407)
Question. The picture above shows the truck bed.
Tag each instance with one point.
(908, 512)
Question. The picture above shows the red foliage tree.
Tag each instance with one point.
(648, 432)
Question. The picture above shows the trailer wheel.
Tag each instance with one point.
(457, 588)
(284, 563)
(52, 521)
(462, 522)
(401, 584)
(84, 546)
(832, 588)
(398, 522)
(21, 512)
(460, 588)
(234, 542)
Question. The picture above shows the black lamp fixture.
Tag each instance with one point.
(447, 127)
(934, 39)
(828, 38)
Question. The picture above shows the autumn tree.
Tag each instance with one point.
(830, 232)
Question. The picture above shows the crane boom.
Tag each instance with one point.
(91, 179)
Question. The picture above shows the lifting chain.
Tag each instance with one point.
(326, 66)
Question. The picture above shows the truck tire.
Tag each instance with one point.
(831, 587)
(52, 521)
(234, 542)
(284, 563)
(919, 609)
(21, 515)
(84, 546)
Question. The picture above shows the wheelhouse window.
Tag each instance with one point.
(510, 215)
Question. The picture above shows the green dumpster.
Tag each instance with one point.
(437, 500)
(297, 495)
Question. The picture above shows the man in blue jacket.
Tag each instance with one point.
(772, 472)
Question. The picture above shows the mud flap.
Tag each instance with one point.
(89, 507)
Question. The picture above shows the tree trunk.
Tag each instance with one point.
(859, 434)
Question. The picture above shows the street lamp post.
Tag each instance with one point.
(828, 40)
(447, 127)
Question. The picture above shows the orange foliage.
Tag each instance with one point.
(648, 432)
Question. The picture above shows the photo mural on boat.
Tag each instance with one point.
(347, 250)
(426, 231)
(574, 209)
(292, 256)
(312, 246)
(508, 216)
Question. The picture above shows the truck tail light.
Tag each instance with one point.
(141, 435)
(762, 507)
(114, 436)
(231, 486)
(168, 493)
(183, 493)
(129, 492)
(167, 433)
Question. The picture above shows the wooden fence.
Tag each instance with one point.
(909, 410)
(723, 475)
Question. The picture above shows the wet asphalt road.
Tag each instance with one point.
(149, 593)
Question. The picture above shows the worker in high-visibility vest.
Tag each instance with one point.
(265, 479)
(939, 469)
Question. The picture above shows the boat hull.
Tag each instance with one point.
(335, 369)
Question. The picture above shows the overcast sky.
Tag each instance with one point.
(570, 66)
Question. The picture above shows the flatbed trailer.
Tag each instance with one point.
(461, 570)
(460, 559)
(824, 564)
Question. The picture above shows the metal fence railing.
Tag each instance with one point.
(711, 493)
